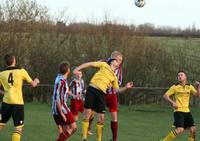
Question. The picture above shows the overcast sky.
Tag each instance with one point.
(175, 13)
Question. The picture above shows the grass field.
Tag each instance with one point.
(137, 123)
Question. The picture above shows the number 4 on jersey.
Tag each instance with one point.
(10, 79)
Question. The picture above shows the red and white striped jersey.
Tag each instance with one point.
(77, 88)
(60, 94)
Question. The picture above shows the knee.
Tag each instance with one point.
(18, 130)
(2, 126)
(74, 127)
(114, 116)
(179, 130)
(76, 118)
(92, 115)
(101, 121)
(193, 130)
(74, 130)
(71, 131)
(87, 115)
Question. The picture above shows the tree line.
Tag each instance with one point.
(41, 43)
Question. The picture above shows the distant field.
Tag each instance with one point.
(137, 123)
(187, 47)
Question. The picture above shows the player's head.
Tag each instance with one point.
(10, 59)
(118, 56)
(64, 68)
(182, 77)
(79, 75)
(113, 63)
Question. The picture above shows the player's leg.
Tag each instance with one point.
(74, 108)
(5, 114)
(192, 133)
(90, 123)
(68, 127)
(189, 123)
(2, 121)
(18, 118)
(59, 130)
(100, 108)
(85, 123)
(63, 135)
(71, 124)
(67, 131)
(80, 108)
(2, 125)
(99, 126)
(16, 136)
(172, 134)
(59, 122)
(179, 123)
(112, 104)
(114, 125)
(88, 105)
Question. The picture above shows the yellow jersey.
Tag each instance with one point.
(182, 96)
(12, 80)
(105, 77)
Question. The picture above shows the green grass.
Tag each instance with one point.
(136, 123)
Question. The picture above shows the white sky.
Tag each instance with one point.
(175, 13)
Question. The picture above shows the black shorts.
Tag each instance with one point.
(14, 111)
(94, 99)
(182, 119)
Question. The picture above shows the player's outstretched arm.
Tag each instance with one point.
(127, 86)
(83, 66)
(35, 82)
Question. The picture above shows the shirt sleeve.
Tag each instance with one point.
(99, 64)
(59, 91)
(171, 91)
(26, 76)
(71, 84)
(193, 91)
(83, 84)
(115, 83)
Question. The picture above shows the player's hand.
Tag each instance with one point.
(37, 80)
(129, 85)
(196, 84)
(64, 117)
(76, 72)
(78, 97)
(174, 105)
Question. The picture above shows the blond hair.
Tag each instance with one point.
(114, 54)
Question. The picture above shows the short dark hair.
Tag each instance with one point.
(64, 67)
(182, 72)
(9, 58)
(110, 60)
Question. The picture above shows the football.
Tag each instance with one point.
(140, 3)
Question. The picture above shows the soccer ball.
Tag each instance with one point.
(140, 3)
